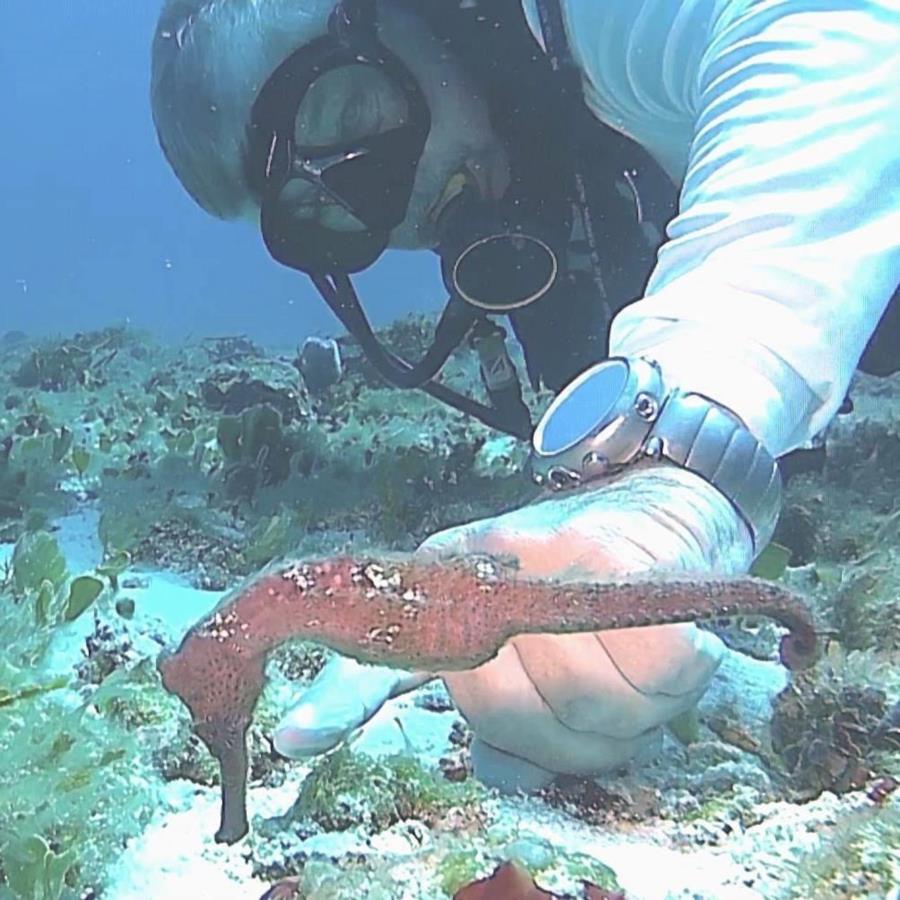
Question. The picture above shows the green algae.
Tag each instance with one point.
(33, 869)
(458, 868)
(37, 559)
(859, 857)
(41, 579)
(347, 789)
(75, 781)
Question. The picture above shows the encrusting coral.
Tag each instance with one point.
(430, 616)
(833, 728)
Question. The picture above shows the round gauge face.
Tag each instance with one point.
(577, 412)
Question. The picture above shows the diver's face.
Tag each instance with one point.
(359, 101)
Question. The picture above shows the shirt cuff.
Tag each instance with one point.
(751, 380)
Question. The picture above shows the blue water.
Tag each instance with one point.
(96, 229)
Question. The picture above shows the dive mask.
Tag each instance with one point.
(370, 177)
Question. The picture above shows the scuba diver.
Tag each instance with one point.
(687, 213)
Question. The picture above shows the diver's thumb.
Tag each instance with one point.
(342, 698)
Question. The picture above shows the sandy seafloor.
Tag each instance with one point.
(176, 857)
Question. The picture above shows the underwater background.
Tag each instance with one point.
(162, 439)
(96, 227)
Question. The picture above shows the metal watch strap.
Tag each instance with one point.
(704, 437)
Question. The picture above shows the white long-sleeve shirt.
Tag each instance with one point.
(780, 119)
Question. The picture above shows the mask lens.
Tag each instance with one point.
(375, 180)
(307, 247)
(349, 103)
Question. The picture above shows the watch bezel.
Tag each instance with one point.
(615, 439)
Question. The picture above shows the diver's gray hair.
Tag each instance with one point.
(210, 58)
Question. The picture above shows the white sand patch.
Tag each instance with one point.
(675, 859)
(401, 726)
(647, 867)
(78, 538)
(165, 607)
(176, 856)
(167, 602)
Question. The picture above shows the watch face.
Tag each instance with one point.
(582, 407)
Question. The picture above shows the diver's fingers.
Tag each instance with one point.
(539, 547)
(455, 541)
(516, 534)
(343, 697)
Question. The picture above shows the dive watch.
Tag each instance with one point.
(618, 412)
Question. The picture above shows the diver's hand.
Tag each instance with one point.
(629, 681)
(657, 517)
(584, 703)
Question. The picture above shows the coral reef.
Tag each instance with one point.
(255, 450)
(347, 789)
(80, 360)
(231, 349)
(193, 471)
(112, 421)
(258, 382)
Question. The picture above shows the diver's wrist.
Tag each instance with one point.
(674, 519)
(622, 411)
(708, 439)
